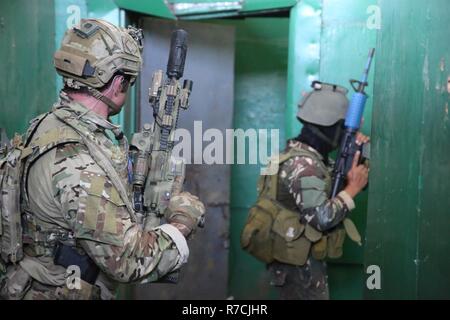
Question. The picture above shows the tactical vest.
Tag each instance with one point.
(18, 225)
(275, 231)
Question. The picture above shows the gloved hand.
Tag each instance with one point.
(186, 212)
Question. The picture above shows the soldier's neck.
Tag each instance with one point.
(91, 103)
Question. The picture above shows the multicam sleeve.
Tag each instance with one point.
(102, 225)
(305, 183)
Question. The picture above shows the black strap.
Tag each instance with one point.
(99, 96)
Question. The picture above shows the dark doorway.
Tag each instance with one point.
(210, 64)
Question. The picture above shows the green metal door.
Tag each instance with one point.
(408, 225)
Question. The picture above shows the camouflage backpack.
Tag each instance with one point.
(15, 160)
(10, 216)
(274, 232)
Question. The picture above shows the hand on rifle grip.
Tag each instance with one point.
(357, 177)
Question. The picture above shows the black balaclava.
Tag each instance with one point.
(321, 138)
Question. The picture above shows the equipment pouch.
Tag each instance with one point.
(319, 249)
(256, 237)
(290, 244)
(335, 243)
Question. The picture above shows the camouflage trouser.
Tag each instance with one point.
(307, 282)
(39, 291)
(17, 284)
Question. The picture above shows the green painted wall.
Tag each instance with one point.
(260, 87)
(27, 85)
(408, 224)
(30, 32)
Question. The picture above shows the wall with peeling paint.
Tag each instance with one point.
(27, 84)
(408, 224)
(30, 32)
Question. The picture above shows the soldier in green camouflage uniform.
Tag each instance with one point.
(76, 187)
(304, 186)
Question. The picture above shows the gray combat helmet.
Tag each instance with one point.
(325, 105)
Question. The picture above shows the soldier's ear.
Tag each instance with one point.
(117, 84)
(125, 84)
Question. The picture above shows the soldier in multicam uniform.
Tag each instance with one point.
(76, 191)
(304, 184)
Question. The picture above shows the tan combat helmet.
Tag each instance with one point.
(325, 105)
(95, 50)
